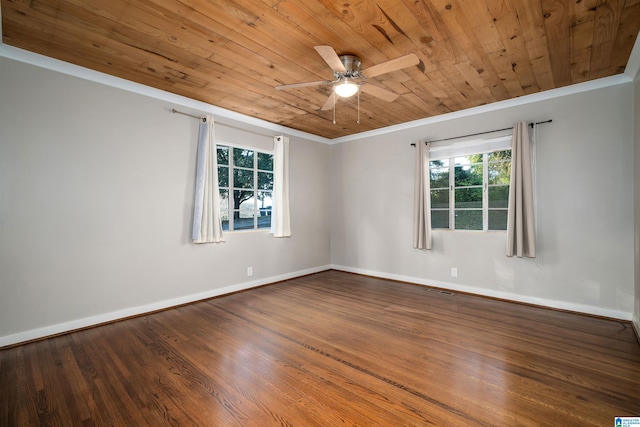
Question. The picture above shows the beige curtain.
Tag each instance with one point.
(422, 198)
(207, 224)
(521, 238)
(280, 216)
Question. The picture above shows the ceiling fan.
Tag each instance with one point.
(349, 78)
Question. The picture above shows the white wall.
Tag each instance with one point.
(96, 191)
(585, 209)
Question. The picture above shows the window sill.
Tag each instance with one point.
(259, 230)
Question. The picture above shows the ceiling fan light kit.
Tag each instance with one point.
(346, 89)
(349, 77)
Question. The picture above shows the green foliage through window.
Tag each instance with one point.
(471, 192)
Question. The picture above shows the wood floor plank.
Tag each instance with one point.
(331, 348)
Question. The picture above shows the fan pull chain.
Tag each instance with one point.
(358, 106)
(334, 109)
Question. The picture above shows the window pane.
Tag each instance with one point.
(468, 220)
(467, 172)
(500, 155)
(265, 180)
(264, 208)
(265, 161)
(243, 158)
(240, 223)
(440, 198)
(499, 173)
(246, 208)
(242, 178)
(498, 219)
(224, 209)
(468, 197)
(223, 176)
(264, 200)
(439, 170)
(440, 218)
(223, 155)
(243, 217)
(240, 196)
(499, 196)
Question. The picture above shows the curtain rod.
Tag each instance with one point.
(482, 133)
(174, 111)
(204, 119)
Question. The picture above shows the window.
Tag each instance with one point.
(245, 178)
(471, 192)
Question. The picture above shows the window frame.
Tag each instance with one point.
(485, 209)
(230, 188)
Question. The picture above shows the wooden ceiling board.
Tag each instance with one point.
(232, 53)
(626, 36)
(515, 53)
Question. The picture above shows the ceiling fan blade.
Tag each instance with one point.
(378, 92)
(330, 102)
(305, 84)
(392, 65)
(331, 58)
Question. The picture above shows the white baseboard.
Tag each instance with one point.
(562, 305)
(73, 325)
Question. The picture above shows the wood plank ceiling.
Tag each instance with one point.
(231, 53)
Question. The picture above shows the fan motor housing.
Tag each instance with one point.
(351, 63)
(352, 66)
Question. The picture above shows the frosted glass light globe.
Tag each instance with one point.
(346, 89)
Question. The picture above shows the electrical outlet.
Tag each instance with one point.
(249, 271)
(454, 272)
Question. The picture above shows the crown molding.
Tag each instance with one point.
(495, 106)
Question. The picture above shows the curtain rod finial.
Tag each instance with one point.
(540, 123)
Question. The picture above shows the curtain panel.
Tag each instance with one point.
(521, 237)
(207, 224)
(280, 215)
(422, 198)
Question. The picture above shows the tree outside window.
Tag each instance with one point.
(245, 178)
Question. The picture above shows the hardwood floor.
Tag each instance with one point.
(330, 349)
